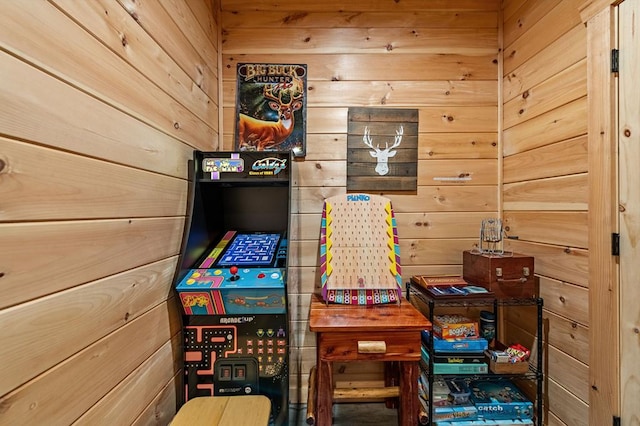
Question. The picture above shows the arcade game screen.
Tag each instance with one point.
(250, 250)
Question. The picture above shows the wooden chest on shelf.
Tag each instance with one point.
(509, 276)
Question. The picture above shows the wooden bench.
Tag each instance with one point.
(245, 410)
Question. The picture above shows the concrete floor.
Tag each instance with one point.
(350, 415)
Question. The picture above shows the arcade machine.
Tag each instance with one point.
(232, 279)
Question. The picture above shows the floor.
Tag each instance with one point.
(350, 415)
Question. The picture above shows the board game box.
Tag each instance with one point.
(454, 326)
(478, 344)
(459, 357)
(499, 400)
(448, 368)
(440, 391)
(482, 422)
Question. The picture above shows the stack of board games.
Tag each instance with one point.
(457, 346)
(462, 401)
(450, 400)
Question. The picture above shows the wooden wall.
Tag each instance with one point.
(545, 191)
(102, 103)
(439, 57)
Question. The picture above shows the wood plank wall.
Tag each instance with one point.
(439, 57)
(102, 103)
(545, 191)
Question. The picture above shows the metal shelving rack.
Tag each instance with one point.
(535, 372)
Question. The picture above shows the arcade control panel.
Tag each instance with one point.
(244, 273)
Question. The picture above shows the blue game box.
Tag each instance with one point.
(477, 344)
(499, 400)
(480, 422)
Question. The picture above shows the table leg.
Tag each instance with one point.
(409, 404)
(324, 404)
(391, 370)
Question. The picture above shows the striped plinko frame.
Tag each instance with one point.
(360, 254)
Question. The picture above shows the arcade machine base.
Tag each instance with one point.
(238, 355)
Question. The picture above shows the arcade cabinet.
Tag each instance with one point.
(232, 278)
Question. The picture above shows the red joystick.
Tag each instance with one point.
(234, 272)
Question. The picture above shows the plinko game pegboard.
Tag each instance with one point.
(359, 251)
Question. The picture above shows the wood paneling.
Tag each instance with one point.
(554, 58)
(559, 193)
(569, 409)
(369, 67)
(546, 193)
(561, 228)
(40, 108)
(562, 263)
(521, 17)
(553, 24)
(392, 94)
(135, 46)
(555, 125)
(360, 5)
(445, 69)
(457, 145)
(388, 41)
(561, 89)
(604, 296)
(50, 399)
(103, 104)
(565, 299)
(343, 19)
(629, 202)
(79, 251)
(122, 86)
(161, 410)
(567, 157)
(72, 320)
(122, 404)
(47, 184)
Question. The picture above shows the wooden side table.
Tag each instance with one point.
(389, 333)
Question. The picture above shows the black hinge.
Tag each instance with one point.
(615, 55)
(615, 244)
(616, 421)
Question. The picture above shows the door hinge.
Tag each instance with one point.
(615, 59)
(616, 421)
(615, 244)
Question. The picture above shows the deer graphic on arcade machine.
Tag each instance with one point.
(285, 98)
(382, 155)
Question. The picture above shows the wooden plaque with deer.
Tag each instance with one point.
(382, 149)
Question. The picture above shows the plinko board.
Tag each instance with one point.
(360, 255)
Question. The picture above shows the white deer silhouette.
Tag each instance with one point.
(383, 155)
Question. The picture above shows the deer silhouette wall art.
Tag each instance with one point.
(382, 155)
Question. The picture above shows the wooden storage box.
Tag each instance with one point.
(506, 276)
